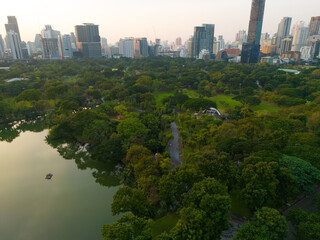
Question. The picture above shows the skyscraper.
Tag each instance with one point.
(15, 45)
(50, 43)
(88, 40)
(314, 26)
(286, 45)
(2, 52)
(203, 39)
(140, 47)
(251, 49)
(300, 36)
(65, 46)
(178, 41)
(12, 25)
(283, 30)
(241, 36)
(126, 47)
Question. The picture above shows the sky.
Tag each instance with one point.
(164, 19)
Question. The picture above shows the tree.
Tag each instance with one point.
(179, 181)
(267, 224)
(260, 184)
(132, 129)
(199, 103)
(306, 175)
(129, 199)
(307, 225)
(29, 95)
(128, 227)
(205, 212)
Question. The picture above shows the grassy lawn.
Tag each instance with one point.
(266, 106)
(225, 102)
(238, 205)
(162, 95)
(164, 224)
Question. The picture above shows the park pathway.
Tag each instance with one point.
(174, 146)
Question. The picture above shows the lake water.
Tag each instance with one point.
(73, 205)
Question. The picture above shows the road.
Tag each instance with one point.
(174, 146)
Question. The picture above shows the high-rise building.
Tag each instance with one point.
(24, 50)
(283, 30)
(314, 42)
(300, 36)
(50, 43)
(65, 46)
(73, 41)
(286, 45)
(140, 47)
(306, 53)
(126, 47)
(314, 26)
(178, 41)
(203, 39)
(251, 49)
(15, 45)
(241, 36)
(12, 25)
(2, 51)
(88, 40)
(37, 43)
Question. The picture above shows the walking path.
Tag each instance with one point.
(174, 146)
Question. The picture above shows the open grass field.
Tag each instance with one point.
(225, 102)
(164, 224)
(266, 106)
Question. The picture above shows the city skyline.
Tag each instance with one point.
(167, 20)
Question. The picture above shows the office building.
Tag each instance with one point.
(126, 47)
(283, 30)
(12, 25)
(178, 41)
(251, 49)
(241, 36)
(300, 36)
(73, 41)
(306, 53)
(15, 45)
(203, 39)
(140, 47)
(66, 51)
(37, 43)
(2, 51)
(88, 40)
(314, 26)
(314, 42)
(49, 40)
(24, 50)
(286, 45)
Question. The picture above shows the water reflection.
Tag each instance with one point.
(106, 174)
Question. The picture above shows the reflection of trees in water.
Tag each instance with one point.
(106, 174)
(11, 131)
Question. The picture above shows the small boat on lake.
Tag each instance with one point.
(49, 176)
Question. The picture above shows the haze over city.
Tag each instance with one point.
(165, 19)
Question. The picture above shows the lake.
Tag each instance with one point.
(73, 205)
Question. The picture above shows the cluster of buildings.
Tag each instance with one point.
(300, 42)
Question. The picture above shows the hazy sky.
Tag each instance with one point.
(166, 19)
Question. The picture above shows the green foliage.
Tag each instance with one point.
(307, 176)
(205, 212)
(307, 225)
(128, 227)
(29, 95)
(267, 224)
(131, 200)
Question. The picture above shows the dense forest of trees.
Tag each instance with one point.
(262, 153)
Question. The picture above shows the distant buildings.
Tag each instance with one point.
(88, 40)
(12, 25)
(251, 49)
(300, 36)
(203, 38)
(126, 47)
(283, 31)
(50, 43)
(65, 45)
(314, 26)
(14, 41)
(286, 45)
(306, 53)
